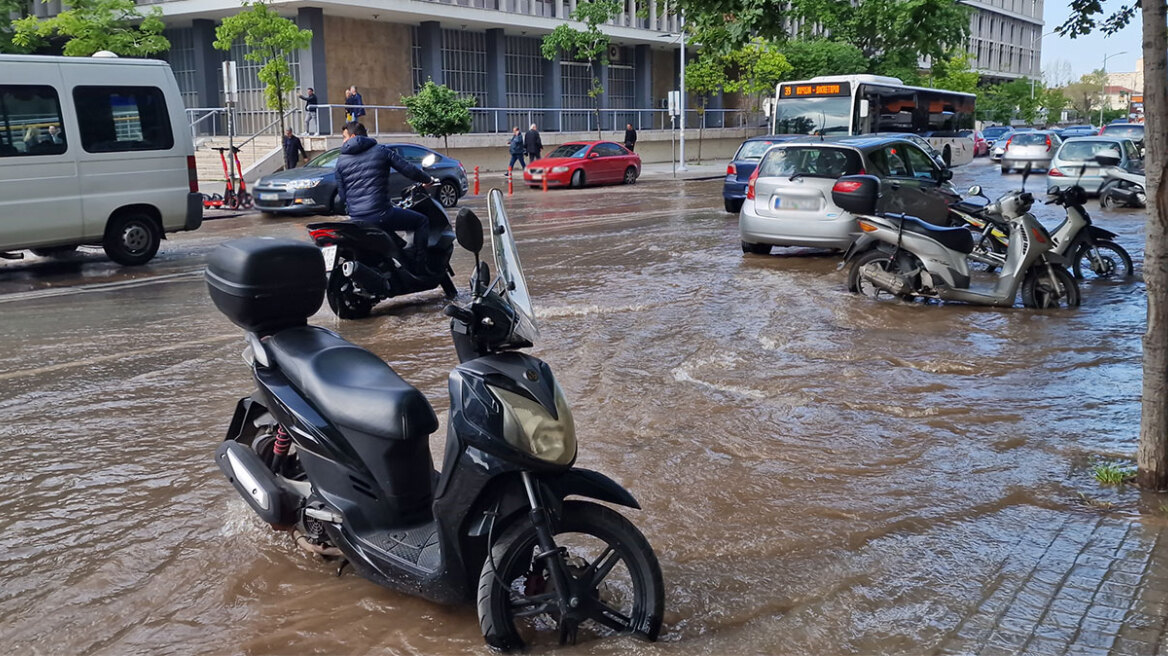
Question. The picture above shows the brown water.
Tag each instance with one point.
(820, 473)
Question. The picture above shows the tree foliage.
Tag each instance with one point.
(756, 68)
(270, 39)
(1083, 96)
(587, 45)
(954, 74)
(1002, 103)
(438, 111)
(823, 57)
(89, 26)
(17, 9)
(703, 78)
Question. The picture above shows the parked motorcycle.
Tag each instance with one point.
(909, 258)
(333, 446)
(367, 264)
(1121, 187)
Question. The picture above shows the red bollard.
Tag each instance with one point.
(476, 184)
(510, 184)
(545, 180)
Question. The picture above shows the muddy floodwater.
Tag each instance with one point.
(820, 473)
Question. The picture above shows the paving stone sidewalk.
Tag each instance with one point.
(1086, 584)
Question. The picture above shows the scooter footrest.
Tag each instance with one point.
(416, 545)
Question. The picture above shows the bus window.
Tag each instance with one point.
(894, 110)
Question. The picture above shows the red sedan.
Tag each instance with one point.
(580, 163)
(980, 145)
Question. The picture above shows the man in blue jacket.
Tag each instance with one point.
(363, 171)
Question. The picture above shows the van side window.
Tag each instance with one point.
(30, 121)
(120, 119)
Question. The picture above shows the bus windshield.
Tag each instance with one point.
(826, 116)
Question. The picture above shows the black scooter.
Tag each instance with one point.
(333, 446)
(367, 265)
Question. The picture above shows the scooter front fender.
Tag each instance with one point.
(591, 484)
(1099, 233)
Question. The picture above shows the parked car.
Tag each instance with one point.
(1034, 148)
(921, 141)
(312, 189)
(1133, 131)
(1073, 131)
(1076, 157)
(742, 165)
(788, 199)
(93, 151)
(980, 145)
(997, 136)
(580, 163)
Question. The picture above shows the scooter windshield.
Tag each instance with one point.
(513, 284)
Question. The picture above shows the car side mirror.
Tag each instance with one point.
(429, 160)
(468, 230)
(864, 108)
(593, 155)
(945, 175)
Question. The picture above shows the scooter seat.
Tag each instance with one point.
(351, 386)
(958, 239)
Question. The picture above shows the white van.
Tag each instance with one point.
(93, 151)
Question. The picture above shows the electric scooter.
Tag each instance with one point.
(333, 446)
(230, 198)
(908, 258)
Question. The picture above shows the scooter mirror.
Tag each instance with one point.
(1052, 190)
(468, 229)
(975, 190)
(429, 160)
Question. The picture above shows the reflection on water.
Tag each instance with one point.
(820, 473)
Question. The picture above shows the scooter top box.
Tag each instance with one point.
(856, 193)
(265, 285)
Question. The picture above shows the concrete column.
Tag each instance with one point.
(430, 35)
(557, 8)
(653, 15)
(643, 83)
(208, 64)
(313, 72)
(601, 72)
(553, 95)
(497, 73)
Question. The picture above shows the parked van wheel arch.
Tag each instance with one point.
(133, 234)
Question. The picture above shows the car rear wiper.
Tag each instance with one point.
(792, 178)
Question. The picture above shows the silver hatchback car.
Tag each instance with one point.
(1075, 161)
(1034, 148)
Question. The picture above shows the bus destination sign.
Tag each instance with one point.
(816, 90)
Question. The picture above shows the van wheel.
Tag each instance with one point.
(132, 239)
(53, 251)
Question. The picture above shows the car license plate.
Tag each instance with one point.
(537, 176)
(793, 204)
(269, 196)
(330, 257)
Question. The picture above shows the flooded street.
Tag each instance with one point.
(820, 473)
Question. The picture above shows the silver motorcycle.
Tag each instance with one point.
(908, 258)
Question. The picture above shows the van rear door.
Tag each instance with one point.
(40, 203)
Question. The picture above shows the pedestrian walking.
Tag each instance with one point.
(355, 104)
(630, 137)
(293, 150)
(532, 143)
(310, 123)
(516, 149)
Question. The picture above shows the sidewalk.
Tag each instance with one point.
(709, 170)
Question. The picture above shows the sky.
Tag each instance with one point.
(1086, 53)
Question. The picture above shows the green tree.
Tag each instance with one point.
(1009, 100)
(1084, 95)
(823, 57)
(270, 39)
(1052, 102)
(438, 111)
(953, 74)
(1085, 17)
(757, 68)
(17, 9)
(89, 26)
(587, 45)
(703, 78)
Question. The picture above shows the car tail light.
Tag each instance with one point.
(1048, 144)
(731, 169)
(846, 186)
(192, 174)
(1007, 146)
(750, 185)
(1055, 173)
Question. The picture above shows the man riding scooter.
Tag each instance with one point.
(363, 171)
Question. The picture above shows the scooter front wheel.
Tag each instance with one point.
(1049, 287)
(615, 582)
(1105, 260)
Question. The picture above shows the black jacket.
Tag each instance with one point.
(532, 142)
(309, 101)
(363, 177)
(293, 149)
(630, 136)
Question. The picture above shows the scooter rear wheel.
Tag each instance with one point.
(616, 581)
(343, 300)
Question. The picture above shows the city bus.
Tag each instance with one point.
(871, 104)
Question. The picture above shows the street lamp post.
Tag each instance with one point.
(1032, 42)
(1103, 88)
(681, 140)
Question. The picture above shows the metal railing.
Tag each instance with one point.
(391, 119)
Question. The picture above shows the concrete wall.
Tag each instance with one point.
(373, 55)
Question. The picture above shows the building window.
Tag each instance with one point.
(464, 69)
(416, 58)
(577, 80)
(182, 61)
(524, 80)
(251, 112)
(27, 112)
(621, 90)
(119, 119)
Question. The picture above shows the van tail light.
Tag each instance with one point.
(192, 174)
(846, 186)
(731, 169)
(1055, 173)
(750, 185)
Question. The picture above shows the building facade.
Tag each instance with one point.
(1005, 39)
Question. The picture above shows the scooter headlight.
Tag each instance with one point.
(530, 428)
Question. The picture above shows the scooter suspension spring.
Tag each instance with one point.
(280, 448)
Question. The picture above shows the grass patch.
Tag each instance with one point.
(1112, 473)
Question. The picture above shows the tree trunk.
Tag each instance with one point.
(279, 98)
(701, 129)
(1153, 452)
